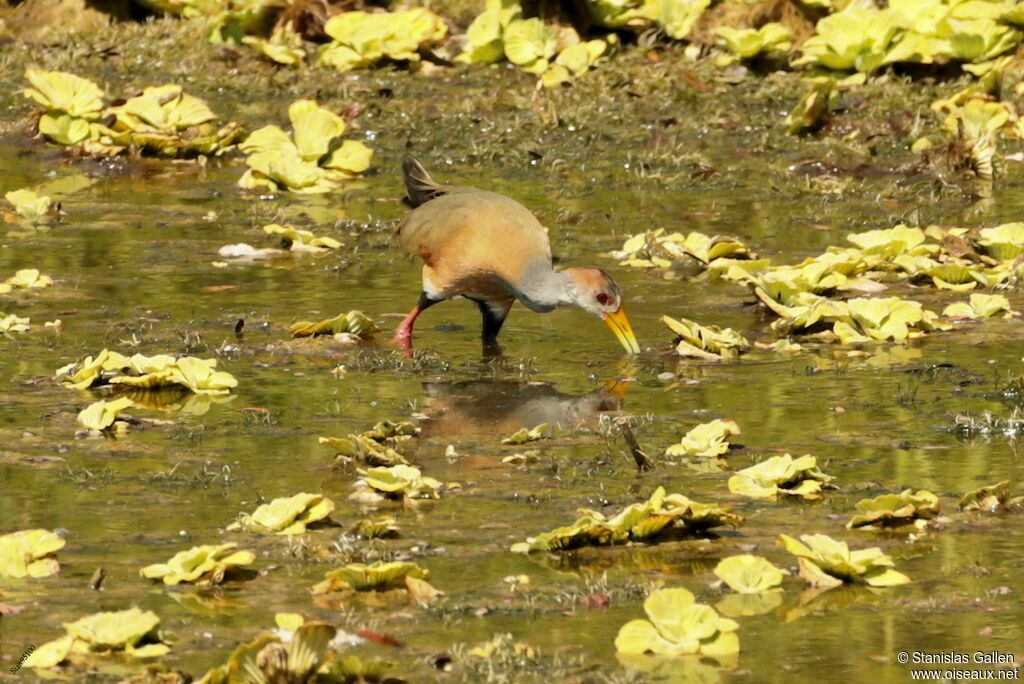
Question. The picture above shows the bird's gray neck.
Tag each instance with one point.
(541, 288)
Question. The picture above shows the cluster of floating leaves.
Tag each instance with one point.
(678, 625)
(395, 482)
(707, 440)
(379, 576)
(31, 207)
(781, 476)
(103, 415)
(354, 323)
(656, 249)
(661, 516)
(132, 632)
(287, 515)
(374, 447)
(161, 120)
(826, 563)
(991, 498)
(205, 564)
(312, 159)
(138, 371)
(893, 510)
(706, 342)
(362, 39)
(29, 553)
(296, 651)
(554, 53)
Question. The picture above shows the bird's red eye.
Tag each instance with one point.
(603, 299)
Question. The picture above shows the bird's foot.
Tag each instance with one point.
(491, 349)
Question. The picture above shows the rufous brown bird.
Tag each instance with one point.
(490, 249)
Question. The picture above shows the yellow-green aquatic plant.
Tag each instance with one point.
(980, 306)
(400, 481)
(101, 415)
(526, 435)
(375, 528)
(189, 9)
(748, 43)
(892, 510)
(284, 46)
(354, 323)
(25, 279)
(298, 651)
(374, 447)
(860, 37)
(298, 240)
(991, 498)
(781, 476)
(377, 576)
(677, 17)
(662, 515)
(70, 104)
(747, 574)
(197, 375)
(660, 250)
(707, 440)
(676, 626)
(1003, 242)
(361, 39)
(288, 515)
(313, 159)
(199, 565)
(706, 342)
(29, 553)
(826, 563)
(31, 206)
(10, 323)
(132, 632)
(575, 61)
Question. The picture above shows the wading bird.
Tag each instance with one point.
(490, 249)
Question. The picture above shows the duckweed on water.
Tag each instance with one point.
(29, 553)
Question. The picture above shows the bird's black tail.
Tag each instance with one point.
(420, 188)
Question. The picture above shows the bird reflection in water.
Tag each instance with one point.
(487, 407)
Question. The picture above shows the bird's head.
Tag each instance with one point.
(595, 292)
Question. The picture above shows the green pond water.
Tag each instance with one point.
(132, 260)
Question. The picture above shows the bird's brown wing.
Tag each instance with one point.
(473, 240)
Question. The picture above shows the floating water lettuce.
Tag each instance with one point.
(826, 563)
(892, 510)
(1002, 242)
(678, 626)
(859, 37)
(189, 9)
(200, 565)
(980, 306)
(375, 446)
(991, 498)
(706, 342)
(361, 39)
(11, 323)
(26, 279)
(781, 475)
(298, 651)
(197, 375)
(375, 528)
(313, 159)
(29, 553)
(890, 243)
(354, 323)
(400, 481)
(575, 60)
(663, 515)
(750, 42)
(288, 515)
(747, 574)
(977, 121)
(101, 415)
(32, 207)
(677, 17)
(132, 632)
(707, 440)
(162, 120)
(284, 46)
(524, 435)
(300, 240)
(810, 111)
(377, 576)
(660, 250)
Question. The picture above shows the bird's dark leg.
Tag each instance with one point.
(403, 334)
(494, 314)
